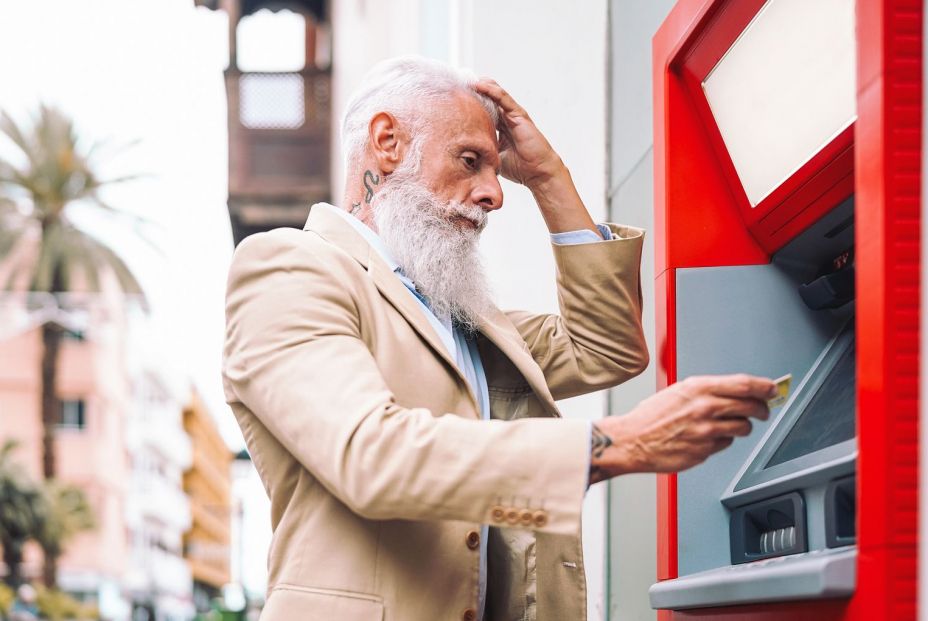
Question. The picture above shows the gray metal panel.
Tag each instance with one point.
(813, 575)
(632, 24)
(731, 320)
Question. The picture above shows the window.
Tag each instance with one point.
(73, 414)
(269, 41)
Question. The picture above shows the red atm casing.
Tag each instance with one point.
(703, 219)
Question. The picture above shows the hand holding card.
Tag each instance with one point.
(783, 384)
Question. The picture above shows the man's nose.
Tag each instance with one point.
(489, 194)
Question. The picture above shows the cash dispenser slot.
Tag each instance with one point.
(769, 528)
(841, 512)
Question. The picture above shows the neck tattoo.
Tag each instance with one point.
(370, 178)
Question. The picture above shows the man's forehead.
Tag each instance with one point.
(466, 123)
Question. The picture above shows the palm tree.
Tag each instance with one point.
(22, 512)
(68, 513)
(53, 172)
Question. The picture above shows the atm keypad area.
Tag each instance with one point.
(772, 518)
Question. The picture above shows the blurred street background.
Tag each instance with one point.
(140, 141)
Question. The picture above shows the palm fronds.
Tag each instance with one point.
(55, 171)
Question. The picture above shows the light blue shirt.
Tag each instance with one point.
(462, 349)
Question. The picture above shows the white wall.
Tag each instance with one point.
(553, 61)
(363, 33)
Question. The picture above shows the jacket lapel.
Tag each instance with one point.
(402, 300)
(334, 229)
(499, 330)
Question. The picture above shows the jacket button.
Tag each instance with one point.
(512, 516)
(469, 615)
(525, 518)
(472, 540)
(497, 514)
(540, 518)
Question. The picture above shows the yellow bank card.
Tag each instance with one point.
(782, 391)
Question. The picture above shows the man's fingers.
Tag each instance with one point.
(740, 385)
(496, 92)
(733, 427)
(735, 407)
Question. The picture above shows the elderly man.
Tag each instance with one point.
(405, 428)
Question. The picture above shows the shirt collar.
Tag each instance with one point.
(366, 232)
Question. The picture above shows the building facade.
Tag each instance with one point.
(90, 436)
(158, 581)
(208, 483)
(120, 438)
(279, 111)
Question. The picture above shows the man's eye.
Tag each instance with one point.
(470, 161)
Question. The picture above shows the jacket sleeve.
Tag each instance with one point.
(597, 340)
(295, 358)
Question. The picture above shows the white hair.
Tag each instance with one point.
(406, 87)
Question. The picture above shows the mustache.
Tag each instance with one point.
(477, 216)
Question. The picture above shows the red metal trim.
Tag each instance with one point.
(888, 160)
(665, 303)
(705, 228)
(667, 559)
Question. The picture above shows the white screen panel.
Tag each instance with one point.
(785, 89)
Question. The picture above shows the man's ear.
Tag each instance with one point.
(386, 142)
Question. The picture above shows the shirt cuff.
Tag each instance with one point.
(589, 453)
(583, 236)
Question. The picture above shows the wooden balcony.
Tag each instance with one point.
(279, 137)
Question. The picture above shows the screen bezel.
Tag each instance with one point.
(755, 480)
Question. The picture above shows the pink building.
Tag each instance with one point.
(118, 440)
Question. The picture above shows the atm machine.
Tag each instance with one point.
(787, 159)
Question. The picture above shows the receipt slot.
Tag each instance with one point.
(788, 160)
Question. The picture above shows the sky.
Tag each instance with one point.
(151, 71)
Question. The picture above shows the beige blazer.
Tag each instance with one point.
(370, 443)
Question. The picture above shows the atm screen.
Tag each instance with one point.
(829, 417)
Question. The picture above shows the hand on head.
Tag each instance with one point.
(526, 156)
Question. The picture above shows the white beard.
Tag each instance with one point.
(439, 255)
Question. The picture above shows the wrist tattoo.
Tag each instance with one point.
(355, 208)
(600, 442)
(370, 178)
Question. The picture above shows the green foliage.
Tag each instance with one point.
(68, 513)
(22, 505)
(56, 605)
(7, 595)
(55, 171)
(23, 510)
(51, 513)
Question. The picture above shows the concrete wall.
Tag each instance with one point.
(632, 565)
